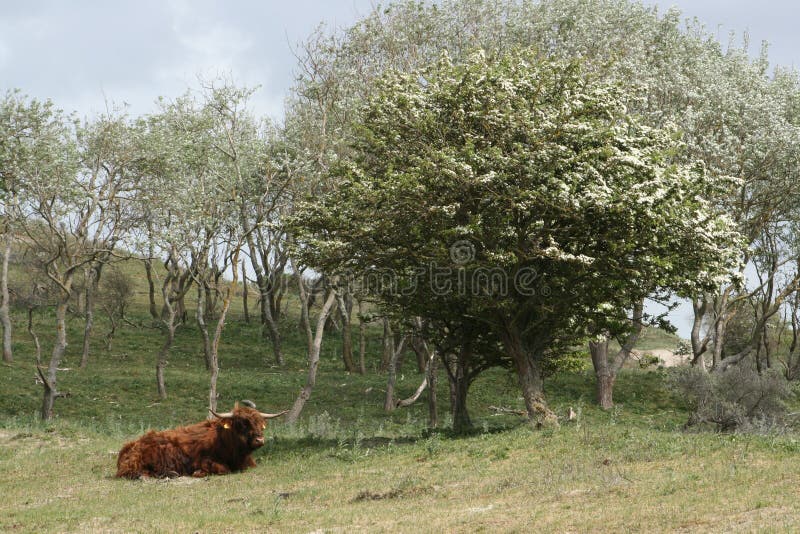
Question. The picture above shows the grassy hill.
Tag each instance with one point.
(349, 466)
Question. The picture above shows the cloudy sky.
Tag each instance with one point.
(83, 53)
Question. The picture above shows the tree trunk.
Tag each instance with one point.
(182, 287)
(388, 344)
(270, 327)
(92, 284)
(226, 304)
(89, 323)
(5, 314)
(433, 412)
(602, 372)
(245, 307)
(459, 390)
(211, 300)
(162, 357)
(429, 382)
(699, 345)
(529, 372)
(169, 322)
(305, 318)
(532, 382)
(59, 349)
(362, 342)
(347, 338)
(37, 347)
(212, 389)
(421, 359)
(111, 332)
(458, 379)
(201, 325)
(313, 359)
(389, 403)
(151, 287)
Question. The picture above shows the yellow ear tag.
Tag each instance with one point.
(226, 425)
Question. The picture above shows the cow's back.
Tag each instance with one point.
(155, 454)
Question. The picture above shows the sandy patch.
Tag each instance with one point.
(668, 358)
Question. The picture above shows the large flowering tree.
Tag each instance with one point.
(518, 193)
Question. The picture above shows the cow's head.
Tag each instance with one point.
(246, 423)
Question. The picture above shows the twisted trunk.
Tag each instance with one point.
(313, 358)
(59, 348)
(606, 370)
(92, 284)
(269, 326)
(161, 362)
(151, 288)
(223, 314)
(528, 364)
(201, 325)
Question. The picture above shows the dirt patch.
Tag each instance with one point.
(174, 481)
(396, 493)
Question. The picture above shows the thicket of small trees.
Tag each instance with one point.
(571, 159)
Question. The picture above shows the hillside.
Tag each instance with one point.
(348, 466)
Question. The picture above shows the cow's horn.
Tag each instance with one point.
(249, 403)
(273, 415)
(221, 415)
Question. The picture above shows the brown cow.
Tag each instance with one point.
(215, 447)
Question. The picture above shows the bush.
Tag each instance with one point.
(649, 360)
(684, 348)
(739, 399)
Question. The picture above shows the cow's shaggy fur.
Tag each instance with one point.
(215, 447)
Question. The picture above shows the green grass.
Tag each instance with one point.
(348, 466)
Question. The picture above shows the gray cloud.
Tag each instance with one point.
(82, 53)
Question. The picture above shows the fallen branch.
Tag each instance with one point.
(413, 398)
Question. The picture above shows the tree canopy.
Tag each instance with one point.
(518, 192)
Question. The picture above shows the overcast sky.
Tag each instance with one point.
(83, 53)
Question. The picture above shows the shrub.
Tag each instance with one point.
(739, 399)
(649, 360)
(684, 348)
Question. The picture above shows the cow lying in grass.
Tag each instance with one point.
(215, 447)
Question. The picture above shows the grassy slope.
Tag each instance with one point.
(348, 466)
